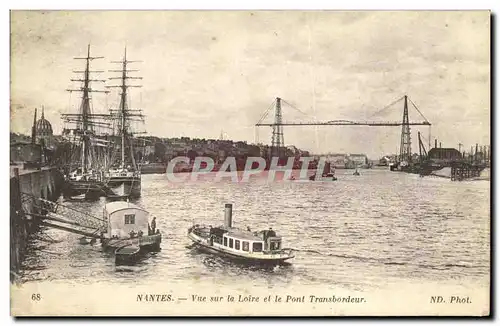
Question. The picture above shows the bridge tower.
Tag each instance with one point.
(277, 142)
(405, 148)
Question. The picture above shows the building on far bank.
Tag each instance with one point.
(21, 152)
(444, 155)
(354, 160)
(387, 160)
(42, 131)
(38, 148)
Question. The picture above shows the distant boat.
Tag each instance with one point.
(356, 172)
(327, 175)
(324, 177)
(262, 247)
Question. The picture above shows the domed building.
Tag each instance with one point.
(42, 131)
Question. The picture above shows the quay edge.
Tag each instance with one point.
(46, 183)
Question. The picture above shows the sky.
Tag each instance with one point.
(212, 72)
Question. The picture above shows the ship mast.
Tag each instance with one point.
(124, 113)
(84, 118)
(123, 104)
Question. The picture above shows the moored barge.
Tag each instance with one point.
(129, 233)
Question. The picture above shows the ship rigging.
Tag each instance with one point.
(87, 149)
(123, 173)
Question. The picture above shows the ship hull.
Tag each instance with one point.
(87, 189)
(125, 187)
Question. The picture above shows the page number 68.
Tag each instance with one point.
(36, 297)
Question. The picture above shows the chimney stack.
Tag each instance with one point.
(439, 144)
(228, 216)
(33, 130)
(435, 143)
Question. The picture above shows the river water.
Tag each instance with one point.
(360, 232)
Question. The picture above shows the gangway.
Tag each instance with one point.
(59, 216)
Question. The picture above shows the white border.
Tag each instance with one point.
(258, 4)
(155, 4)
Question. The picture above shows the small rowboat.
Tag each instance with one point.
(87, 240)
(117, 197)
(127, 254)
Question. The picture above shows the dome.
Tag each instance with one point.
(43, 126)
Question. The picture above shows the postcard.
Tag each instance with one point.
(250, 163)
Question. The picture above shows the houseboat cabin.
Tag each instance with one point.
(126, 219)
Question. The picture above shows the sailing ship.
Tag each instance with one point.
(87, 149)
(123, 174)
(261, 247)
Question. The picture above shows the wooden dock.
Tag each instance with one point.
(465, 170)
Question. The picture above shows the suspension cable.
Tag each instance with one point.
(293, 107)
(417, 109)
(266, 113)
(386, 107)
